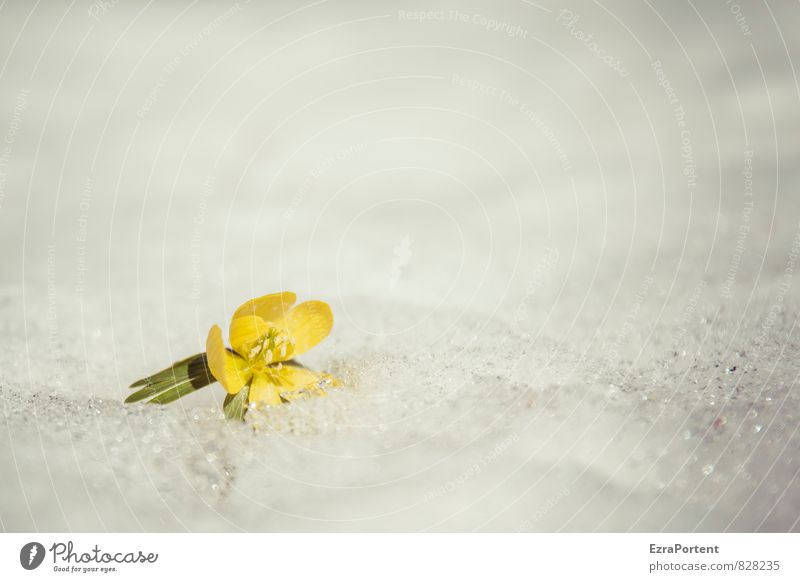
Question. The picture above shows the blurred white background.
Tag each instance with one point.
(560, 242)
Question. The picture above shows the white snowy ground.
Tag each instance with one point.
(557, 308)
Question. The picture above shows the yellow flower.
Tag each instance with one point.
(266, 334)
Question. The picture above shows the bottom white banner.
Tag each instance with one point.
(372, 557)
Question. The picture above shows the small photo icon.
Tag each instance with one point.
(31, 555)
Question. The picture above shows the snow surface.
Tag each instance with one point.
(554, 310)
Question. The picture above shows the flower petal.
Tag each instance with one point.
(263, 390)
(299, 382)
(229, 369)
(247, 331)
(295, 377)
(308, 324)
(269, 307)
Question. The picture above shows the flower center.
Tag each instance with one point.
(275, 345)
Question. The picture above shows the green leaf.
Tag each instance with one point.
(180, 379)
(177, 368)
(235, 405)
(173, 394)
